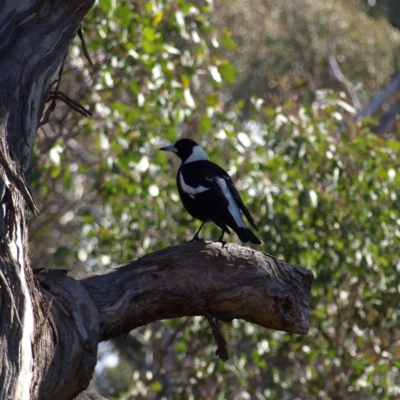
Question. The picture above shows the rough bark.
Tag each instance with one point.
(34, 38)
(195, 278)
(227, 281)
(66, 341)
(89, 396)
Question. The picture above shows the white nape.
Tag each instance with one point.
(191, 191)
(198, 154)
(233, 208)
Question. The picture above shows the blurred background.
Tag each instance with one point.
(298, 101)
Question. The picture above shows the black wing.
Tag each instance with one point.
(211, 171)
(206, 174)
(240, 203)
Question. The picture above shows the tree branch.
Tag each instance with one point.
(202, 278)
(376, 102)
(221, 282)
(84, 48)
(387, 120)
(337, 73)
(222, 351)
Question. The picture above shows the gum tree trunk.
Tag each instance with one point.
(35, 37)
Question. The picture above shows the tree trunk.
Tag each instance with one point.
(50, 324)
(35, 37)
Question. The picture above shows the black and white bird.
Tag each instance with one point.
(208, 193)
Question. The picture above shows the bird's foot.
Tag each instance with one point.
(220, 239)
(197, 239)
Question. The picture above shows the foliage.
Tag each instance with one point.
(326, 198)
(282, 48)
(145, 90)
(325, 193)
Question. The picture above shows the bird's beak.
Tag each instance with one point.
(170, 147)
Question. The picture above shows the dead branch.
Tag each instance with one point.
(220, 282)
(52, 105)
(376, 102)
(84, 48)
(387, 120)
(59, 95)
(222, 351)
(202, 278)
(71, 103)
(337, 73)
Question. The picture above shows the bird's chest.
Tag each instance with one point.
(193, 195)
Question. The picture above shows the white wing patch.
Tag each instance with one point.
(233, 208)
(191, 191)
(198, 154)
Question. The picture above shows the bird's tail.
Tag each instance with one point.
(244, 209)
(246, 212)
(246, 235)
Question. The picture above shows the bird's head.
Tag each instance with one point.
(187, 150)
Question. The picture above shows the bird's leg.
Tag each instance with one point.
(221, 237)
(196, 236)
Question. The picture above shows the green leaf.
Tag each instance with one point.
(227, 41)
(228, 72)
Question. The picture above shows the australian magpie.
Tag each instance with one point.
(208, 193)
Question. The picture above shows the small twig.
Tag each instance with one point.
(47, 113)
(52, 106)
(60, 72)
(84, 48)
(58, 95)
(222, 351)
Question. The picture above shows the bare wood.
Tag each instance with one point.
(42, 351)
(387, 120)
(227, 281)
(337, 73)
(376, 102)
